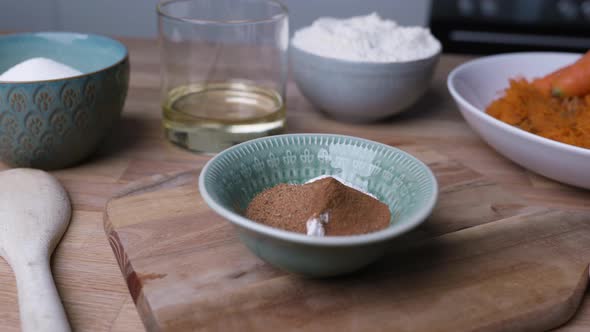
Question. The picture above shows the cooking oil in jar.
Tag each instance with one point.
(210, 117)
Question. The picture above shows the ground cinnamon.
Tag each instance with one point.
(348, 211)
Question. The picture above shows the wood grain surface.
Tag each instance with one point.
(94, 293)
(524, 269)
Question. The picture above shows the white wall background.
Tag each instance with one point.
(137, 18)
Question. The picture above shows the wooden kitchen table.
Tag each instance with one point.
(87, 276)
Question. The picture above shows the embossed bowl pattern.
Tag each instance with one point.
(231, 179)
(56, 123)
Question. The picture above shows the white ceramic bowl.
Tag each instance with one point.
(476, 83)
(360, 91)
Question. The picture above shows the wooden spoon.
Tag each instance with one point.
(34, 213)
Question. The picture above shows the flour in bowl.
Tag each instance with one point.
(367, 39)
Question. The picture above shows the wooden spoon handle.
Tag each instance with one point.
(40, 307)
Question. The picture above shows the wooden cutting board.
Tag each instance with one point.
(484, 261)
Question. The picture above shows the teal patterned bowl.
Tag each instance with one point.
(231, 179)
(56, 123)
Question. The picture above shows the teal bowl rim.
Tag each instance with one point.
(118, 62)
(329, 241)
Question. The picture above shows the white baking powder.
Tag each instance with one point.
(366, 38)
(38, 69)
(315, 226)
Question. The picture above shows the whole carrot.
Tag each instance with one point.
(545, 83)
(567, 81)
(574, 80)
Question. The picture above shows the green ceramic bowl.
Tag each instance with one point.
(57, 123)
(231, 179)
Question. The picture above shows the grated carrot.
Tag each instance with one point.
(566, 120)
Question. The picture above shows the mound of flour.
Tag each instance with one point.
(366, 38)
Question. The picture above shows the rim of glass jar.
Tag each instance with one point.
(284, 12)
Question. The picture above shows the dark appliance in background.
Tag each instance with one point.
(496, 26)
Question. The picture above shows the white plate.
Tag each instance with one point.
(476, 83)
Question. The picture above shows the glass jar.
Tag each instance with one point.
(223, 71)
